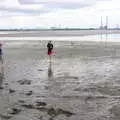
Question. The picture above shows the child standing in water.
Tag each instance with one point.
(50, 48)
(0, 51)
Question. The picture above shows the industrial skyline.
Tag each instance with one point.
(29, 14)
(104, 26)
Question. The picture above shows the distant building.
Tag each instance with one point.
(101, 26)
(104, 27)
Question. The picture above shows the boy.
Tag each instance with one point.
(50, 48)
(0, 52)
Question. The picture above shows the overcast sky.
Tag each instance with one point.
(56, 13)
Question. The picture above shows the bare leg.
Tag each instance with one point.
(50, 59)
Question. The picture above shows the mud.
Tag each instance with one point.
(81, 82)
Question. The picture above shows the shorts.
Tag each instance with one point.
(50, 53)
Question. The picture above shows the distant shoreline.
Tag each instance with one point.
(56, 33)
(71, 29)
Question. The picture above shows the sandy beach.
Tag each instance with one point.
(82, 82)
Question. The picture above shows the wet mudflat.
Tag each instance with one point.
(81, 82)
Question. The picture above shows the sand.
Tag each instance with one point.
(82, 81)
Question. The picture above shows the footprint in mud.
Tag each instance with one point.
(29, 93)
(39, 103)
(55, 112)
(21, 101)
(11, 90)
(40, 70)
(1, 88)
(3, 116)
(5, 83)
(15, 111)
(52, 112)
(24, 82)
(28, 106)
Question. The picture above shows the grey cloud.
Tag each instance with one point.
(22, 10)
(65, 5)
(54, 5)
(50, 6)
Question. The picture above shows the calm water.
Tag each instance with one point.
(109, 37)
(100, 37)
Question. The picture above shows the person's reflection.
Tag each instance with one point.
(50, 72)
(1, 70)
(1, 62)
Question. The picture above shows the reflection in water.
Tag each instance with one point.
(50, 72)
(1, 70)
(104, 37)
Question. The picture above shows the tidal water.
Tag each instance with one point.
(80, 82)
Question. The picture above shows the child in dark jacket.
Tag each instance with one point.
(50, 48)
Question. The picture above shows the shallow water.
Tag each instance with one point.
(62, 35)
(81, 82)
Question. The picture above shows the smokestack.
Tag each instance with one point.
(101, 22)
(101, 26)
(106, 22)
